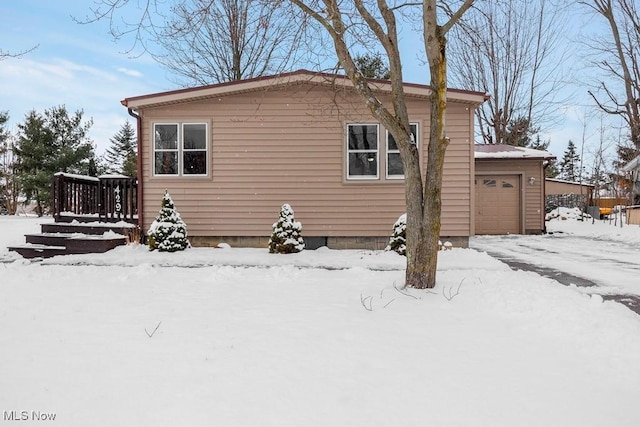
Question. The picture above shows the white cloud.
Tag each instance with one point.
(130, 72)
(38, 84)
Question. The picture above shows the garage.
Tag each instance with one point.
(509, 189)
(498, 204)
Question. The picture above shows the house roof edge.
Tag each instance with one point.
(299, 76)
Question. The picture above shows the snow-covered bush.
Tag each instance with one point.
(168, 233)
(398, 239)
(286, 238)
(563, 214)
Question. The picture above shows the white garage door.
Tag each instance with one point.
(498, 204)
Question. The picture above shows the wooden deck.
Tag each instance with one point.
(92, 215)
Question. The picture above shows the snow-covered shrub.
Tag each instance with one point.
(563, 214)
(168, 233)
(398, 239)
(286, 238)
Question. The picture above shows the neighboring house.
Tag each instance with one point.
(632, 170)
(231, 154)
(509, 189)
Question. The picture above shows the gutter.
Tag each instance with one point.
(139, 165)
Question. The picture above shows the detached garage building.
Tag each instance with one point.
(509, 189)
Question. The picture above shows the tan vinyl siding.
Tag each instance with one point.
(557, 187)
(288, 146)
(532, 194)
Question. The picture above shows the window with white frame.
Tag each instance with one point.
(180, 149)
(394, 162)
(362, 151)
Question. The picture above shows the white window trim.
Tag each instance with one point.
(180, 149)
(417, 141)
(176, 150)
(348, 151)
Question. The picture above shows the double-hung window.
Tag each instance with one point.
(394, 162)
(180, 149)
(362, 151)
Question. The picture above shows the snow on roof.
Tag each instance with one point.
(632, 165)
(564, 181)
(504, 151)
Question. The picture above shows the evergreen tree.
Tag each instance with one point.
(168, 233)
(398, 240)
(50, 143)
(286, 238)
(372, 66)
(570, 164)
(121, 157)
(538, 144)
(519, 132)
(34, 154)
(71, 146)
(552, 171)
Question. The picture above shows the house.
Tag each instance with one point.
(632, 170)
(509, 189)
(231, 154)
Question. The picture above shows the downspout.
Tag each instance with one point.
(545, 164)
(139, 165)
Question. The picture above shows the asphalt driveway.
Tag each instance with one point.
(602, 265)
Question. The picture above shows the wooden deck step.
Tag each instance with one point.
(51, 239)
(61, 238)
(31, 251)
(90, 228)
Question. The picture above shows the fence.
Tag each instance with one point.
(565, 200)
(110, 198)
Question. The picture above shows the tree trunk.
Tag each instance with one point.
(422, 243)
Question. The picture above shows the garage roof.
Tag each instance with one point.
(504, 151)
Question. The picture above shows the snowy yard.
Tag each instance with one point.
(239, 337)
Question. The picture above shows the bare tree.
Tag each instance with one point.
(379, 20)
(509, 50)
(4, 54)
(9, 188)
(350, 26)
(617, 56)
(209, 41)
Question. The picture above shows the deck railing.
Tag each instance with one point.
(110, 198)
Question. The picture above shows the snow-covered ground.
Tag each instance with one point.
(239, 337)
(604, 252)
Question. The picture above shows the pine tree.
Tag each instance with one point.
(50, 143)
(570, 164)
(286, 238)
(34, 154)
(519, 132)
(121, 157)
(72, 148)
(372, 66)
(552, 171)
(398, 240)
(168, 233)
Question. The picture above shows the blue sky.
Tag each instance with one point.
(81, 67)
(75, 65)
